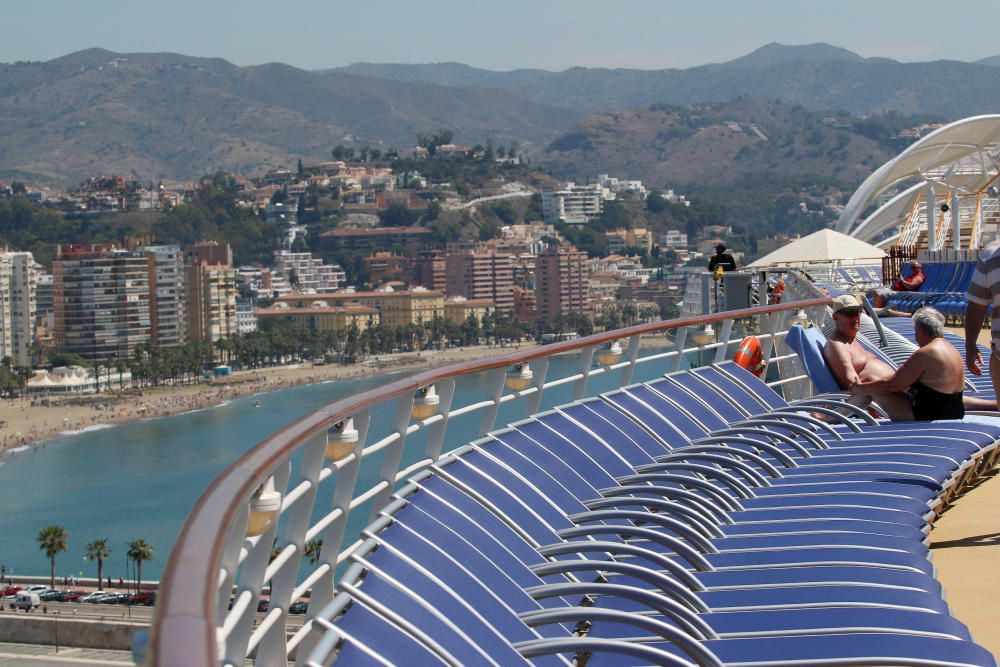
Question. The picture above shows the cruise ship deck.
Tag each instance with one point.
(633, 497)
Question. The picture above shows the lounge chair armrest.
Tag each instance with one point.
(670, 588)
(737, 429)
(690, 582)
(681, 548)
(788, 420)
(704, 523)
(761, 445)
(725, 461)
(692, 627)
(829, 408)
(709, 507)
(683, 530)
(534, 648)
(727, 478)
(727, 502)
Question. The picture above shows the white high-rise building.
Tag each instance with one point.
(17, 306)
(574, 204)
(167, 294)
(306, 273)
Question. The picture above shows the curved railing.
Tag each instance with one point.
(224, 557)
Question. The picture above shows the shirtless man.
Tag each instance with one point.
(933, 374)
(852, 364)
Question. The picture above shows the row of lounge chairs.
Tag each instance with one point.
(945, 286)
(854, 277)
(698, 519)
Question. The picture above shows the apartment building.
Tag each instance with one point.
(561, 284)
(382, 238)
(320, 317)
(167, 294)
(481, 275)
(429, 270)
(101, 301)
(17, 306)
(211, 292)
(458, 309)
(574, 204)
(307, 273)
(396, 309)
(246, 321)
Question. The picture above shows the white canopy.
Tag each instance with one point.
(825, 245)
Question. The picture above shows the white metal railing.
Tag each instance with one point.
(328, 474)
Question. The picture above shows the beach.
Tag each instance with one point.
(26, 420)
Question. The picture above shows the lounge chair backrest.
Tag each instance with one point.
(809, 344)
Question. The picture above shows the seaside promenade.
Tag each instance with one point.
(25, 420)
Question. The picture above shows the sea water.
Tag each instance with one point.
(141, 479)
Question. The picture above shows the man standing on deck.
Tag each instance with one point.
(983, 290)
(721, 258)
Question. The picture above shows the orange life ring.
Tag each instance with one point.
(750, 355)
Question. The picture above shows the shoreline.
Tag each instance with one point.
(26, 421)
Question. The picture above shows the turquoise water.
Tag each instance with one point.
(140, 480)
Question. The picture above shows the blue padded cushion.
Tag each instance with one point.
(809, 344)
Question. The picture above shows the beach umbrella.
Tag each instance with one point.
(825, 245)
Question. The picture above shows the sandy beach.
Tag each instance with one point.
(25, 420)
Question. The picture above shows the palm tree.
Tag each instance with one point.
(52, 540)
(139, 551)
(313, 547)
(99, 550)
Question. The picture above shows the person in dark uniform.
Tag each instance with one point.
(721, 258)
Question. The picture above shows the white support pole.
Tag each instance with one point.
(931, 218)
(956, 222)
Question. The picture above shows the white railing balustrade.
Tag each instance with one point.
(290, 511)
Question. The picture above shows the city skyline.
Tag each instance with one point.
(550, 35)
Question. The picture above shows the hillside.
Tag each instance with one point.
(167, 116)
(817, 76)
(688, 146)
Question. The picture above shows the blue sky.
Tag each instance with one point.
(495, 34)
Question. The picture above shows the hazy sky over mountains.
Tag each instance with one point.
(500, 34)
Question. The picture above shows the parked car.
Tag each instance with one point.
(37, 588)
(299, 607)
(71, 596)
(8, 591)
(114, 598)
(146, 598)
(93, 597)
(262, 605)
(50, 595)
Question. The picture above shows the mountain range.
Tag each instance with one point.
(817, 76)
(173, 117)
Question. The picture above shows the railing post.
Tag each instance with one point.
(251, 577)
(495, 383)
(724, 334)
(679, 342)
(775, 322)
(436, 432)
(333, 536)
(630, 354)
(586, 360)
(230, 561)
(393, 455)
(534, 402)
(273, 649)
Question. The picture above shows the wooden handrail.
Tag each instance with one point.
(184, 631)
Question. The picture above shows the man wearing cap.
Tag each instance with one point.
(851, 363)
(721, 258)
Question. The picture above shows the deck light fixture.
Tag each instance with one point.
(609, 354)
(704, 336)
(799, 317)
(519, 377)
(264, 507)
(425, 403)
(993, 191)
(340, 440)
